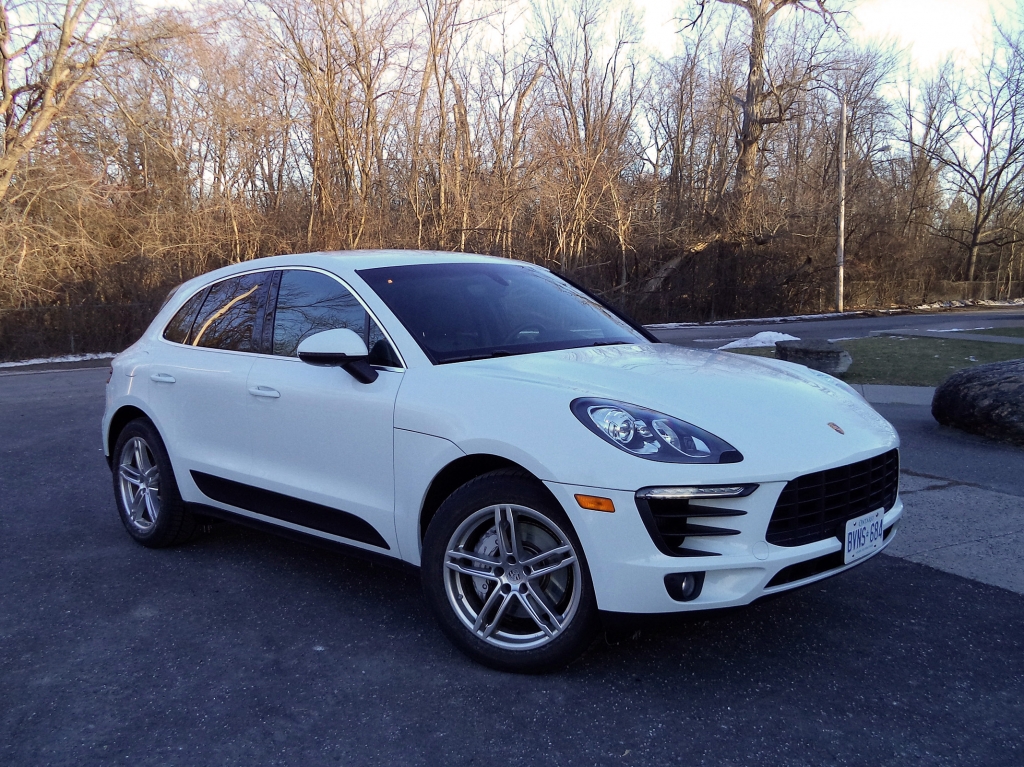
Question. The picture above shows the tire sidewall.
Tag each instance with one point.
(504, 487)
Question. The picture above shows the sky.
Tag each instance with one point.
(930, 29)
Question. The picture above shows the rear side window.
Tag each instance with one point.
(180, 326)
(311, 302)
(229, 314)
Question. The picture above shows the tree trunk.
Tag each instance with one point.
(751, 126)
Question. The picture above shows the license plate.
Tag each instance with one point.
(863, 535)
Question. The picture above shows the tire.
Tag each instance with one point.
(485, 586)
(147, 496)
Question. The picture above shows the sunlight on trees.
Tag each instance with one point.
(142, 147)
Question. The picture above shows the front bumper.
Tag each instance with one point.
(628, 571)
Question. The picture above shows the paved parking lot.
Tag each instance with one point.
(244, 648)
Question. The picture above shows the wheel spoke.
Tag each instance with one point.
(141, 462)
(451, 564)
(541, 623)
(538, 572)
(534, 561)
(152, 509)
(130, 474)
(508, 538)
(477, 559)
(502, 601)
(151, 475)
(545, 603)
(138, 504)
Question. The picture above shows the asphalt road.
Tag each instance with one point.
(714, 335)
(244, 648)
(931, 450)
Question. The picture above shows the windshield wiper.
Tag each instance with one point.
(610, 343)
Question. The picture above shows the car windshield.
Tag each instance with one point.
(467, 311)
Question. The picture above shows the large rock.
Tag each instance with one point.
(819, 355)
(988, 399)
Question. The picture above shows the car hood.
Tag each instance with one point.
(765, 408)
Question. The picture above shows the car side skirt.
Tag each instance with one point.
(293, 510)
(310, 538)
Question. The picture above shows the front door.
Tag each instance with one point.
(319, 436)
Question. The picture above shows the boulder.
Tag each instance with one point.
(987, 399)
(819, 355)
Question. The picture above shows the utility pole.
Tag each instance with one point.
(841, 222)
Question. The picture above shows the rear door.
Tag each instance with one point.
(197, 382)
(320, 437)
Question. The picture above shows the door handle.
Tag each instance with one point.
(162, 378)
(264, 391)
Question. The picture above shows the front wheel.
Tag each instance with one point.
(506, 575)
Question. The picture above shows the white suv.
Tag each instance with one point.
(540, 458)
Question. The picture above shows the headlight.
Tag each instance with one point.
(652, 435)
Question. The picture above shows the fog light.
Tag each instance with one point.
(684, 587)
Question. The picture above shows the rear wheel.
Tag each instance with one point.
(506, 576)
(147, 495)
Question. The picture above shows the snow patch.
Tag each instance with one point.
(762, 339)
(65, 358)
(971, 302)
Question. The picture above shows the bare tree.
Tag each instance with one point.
(593, 91)
(765, 100)
(980, 143)
(48, 51)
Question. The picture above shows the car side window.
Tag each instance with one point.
(308, 303)
(180, 326)
(381, 352)
(229, 313)
(311, 302)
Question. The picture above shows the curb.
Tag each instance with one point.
(880, 394)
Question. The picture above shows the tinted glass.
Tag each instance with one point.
(178, 328)
(311, 302)
(471, 311)
(229, 313)
(381, 352)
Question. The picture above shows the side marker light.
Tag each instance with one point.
(595, 503)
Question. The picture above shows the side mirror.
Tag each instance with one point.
(340, 347)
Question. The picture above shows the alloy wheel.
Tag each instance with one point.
(139, 483)
(512, 577)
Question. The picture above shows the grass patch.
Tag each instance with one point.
(907, 361)
(1005, 332)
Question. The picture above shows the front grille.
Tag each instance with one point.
(817, 506)
(668, 522)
